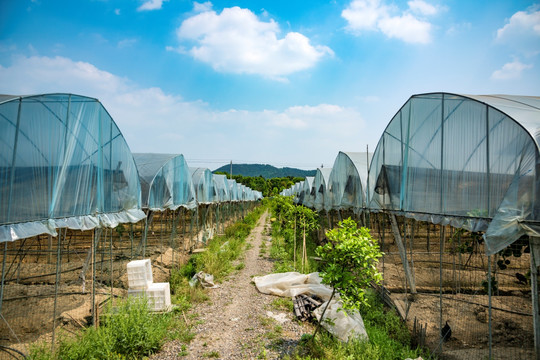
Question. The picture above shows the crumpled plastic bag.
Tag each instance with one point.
(343, 324)
(206, 280)
(292, 284)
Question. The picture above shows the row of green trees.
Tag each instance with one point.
(268, 187)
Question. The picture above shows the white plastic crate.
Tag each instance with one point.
(139, 274)
(158, 295)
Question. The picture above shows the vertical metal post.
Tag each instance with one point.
(97, 235)
(111, 269)
(441, 240)
(534, 295)
(490, 291)
(3, 276)
(131, 239)
(57, 282)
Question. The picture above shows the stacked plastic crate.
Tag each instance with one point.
(141, 284)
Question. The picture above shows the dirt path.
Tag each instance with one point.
(238, 322)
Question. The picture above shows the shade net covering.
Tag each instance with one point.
(318, 193)
(468, 161)
(63, 163)
(204, 185)
(165, 182)
(222, 187)
(348, 180)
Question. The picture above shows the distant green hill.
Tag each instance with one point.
(266, 171)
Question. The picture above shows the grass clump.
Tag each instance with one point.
(128, 331)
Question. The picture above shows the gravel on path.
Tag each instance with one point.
(238, 322)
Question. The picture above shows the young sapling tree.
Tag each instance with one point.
(349, 264)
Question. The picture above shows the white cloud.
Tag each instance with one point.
(202, 7)
(422, 7)
(406, 28)
(522, 32)
(521, 23)
(364, 14)
(510, 71)
(154, 121)
(374, 15)
(236, 41)
(117, 11)
(151, 5)
(126, 43)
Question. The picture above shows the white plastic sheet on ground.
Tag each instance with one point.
(292, 284)
(343, 325)
(206, 280)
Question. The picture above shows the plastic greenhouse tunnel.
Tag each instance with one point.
(304, 193)
(204, 185)
(166, 182)
(68, 184)
(233, 190)
(318, 193)
(347, 183)
(468, 161)
(463, 170)
(63, 155)
(222, 187)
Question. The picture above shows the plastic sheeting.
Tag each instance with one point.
(292, 284)
(342, 324)
(63, 163)
(204, 185)
(222, 187)
(469, 161)
(318, 195)
(304, 193)
(347, 183)
(233, 190)
(166, 182)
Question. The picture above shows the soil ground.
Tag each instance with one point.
(238, 322)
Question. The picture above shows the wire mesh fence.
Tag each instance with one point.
(458, 302)
(53, 286)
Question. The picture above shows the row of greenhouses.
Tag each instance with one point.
(452, 194)
(76, 205)
(469, 161)
(64, 163)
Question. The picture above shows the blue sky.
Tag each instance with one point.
(287, 83)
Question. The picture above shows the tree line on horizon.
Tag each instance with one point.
(268, 187)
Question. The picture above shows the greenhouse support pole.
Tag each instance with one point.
(95, 240)
(402, 252)
(111, 269)
(441, 240)
(490, 294)
(3, 276)
(58, 272)
(131, 239)
(534, 243)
